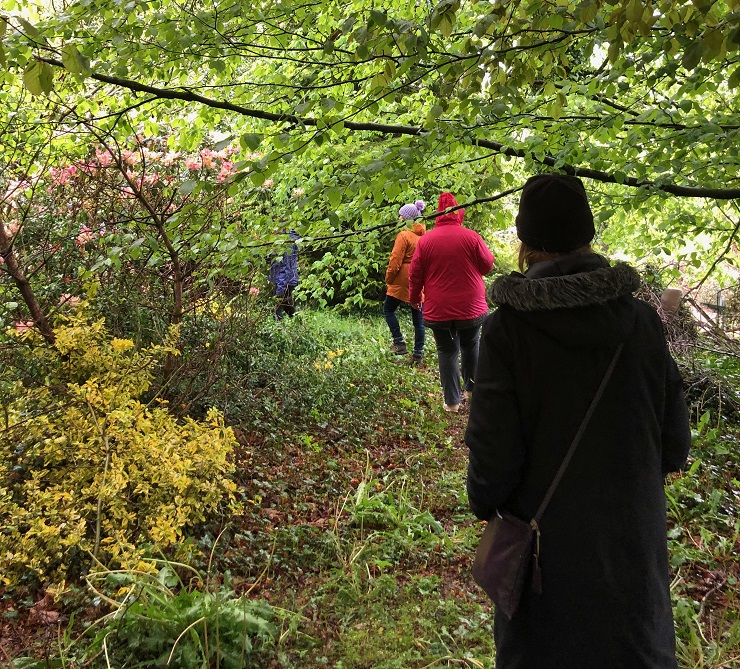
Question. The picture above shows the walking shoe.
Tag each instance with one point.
(399, 349)
(417, 360)
(452, 408)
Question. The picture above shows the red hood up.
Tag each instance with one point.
(447, 200)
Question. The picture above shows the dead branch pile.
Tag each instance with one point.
(680, 328)
(706, 391)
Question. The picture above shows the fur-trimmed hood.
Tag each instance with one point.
(567, 291)
(578, 300)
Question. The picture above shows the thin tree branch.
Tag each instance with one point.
(550, 161)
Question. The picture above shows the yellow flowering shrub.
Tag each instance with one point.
(87, 469)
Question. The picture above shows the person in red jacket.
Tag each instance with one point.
(397, 282)
(448, 266)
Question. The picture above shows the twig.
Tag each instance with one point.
(7, 657)
(708, 594)
(99, 514)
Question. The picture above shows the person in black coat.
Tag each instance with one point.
(605, 601)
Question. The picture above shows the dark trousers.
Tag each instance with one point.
(390, 304)
(286, 304)
(453, 342)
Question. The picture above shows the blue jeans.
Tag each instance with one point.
(390, 304)
(453, 341)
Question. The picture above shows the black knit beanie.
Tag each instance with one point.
(554, 214)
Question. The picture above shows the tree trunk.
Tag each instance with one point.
(24, 286)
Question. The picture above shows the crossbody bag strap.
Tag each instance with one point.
(577, 438)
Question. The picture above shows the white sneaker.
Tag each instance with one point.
(451, 408)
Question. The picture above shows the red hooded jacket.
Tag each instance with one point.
(449, 265)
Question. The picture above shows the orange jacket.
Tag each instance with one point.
(397, 274)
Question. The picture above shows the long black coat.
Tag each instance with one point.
(605, 601)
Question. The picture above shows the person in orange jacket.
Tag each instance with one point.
(397, 283)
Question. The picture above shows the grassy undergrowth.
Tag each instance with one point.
(355, 541)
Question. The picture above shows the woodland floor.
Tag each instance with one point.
(298, 546)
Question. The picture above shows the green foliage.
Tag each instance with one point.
(360, 109)
(334, 376)
(357, 529)
(219, 342)
(86, 468)
(159, 622)
(394, 622)
(388, 507)
(702, 509)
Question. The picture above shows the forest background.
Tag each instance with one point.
(186, 481)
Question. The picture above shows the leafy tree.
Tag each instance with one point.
(638, 97)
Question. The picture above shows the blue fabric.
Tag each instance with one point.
(284, 272)
(390, 305)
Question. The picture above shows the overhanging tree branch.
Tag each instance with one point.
(550, 161)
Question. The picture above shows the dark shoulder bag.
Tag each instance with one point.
(509, 549)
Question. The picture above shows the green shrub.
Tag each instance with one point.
(158, 621)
